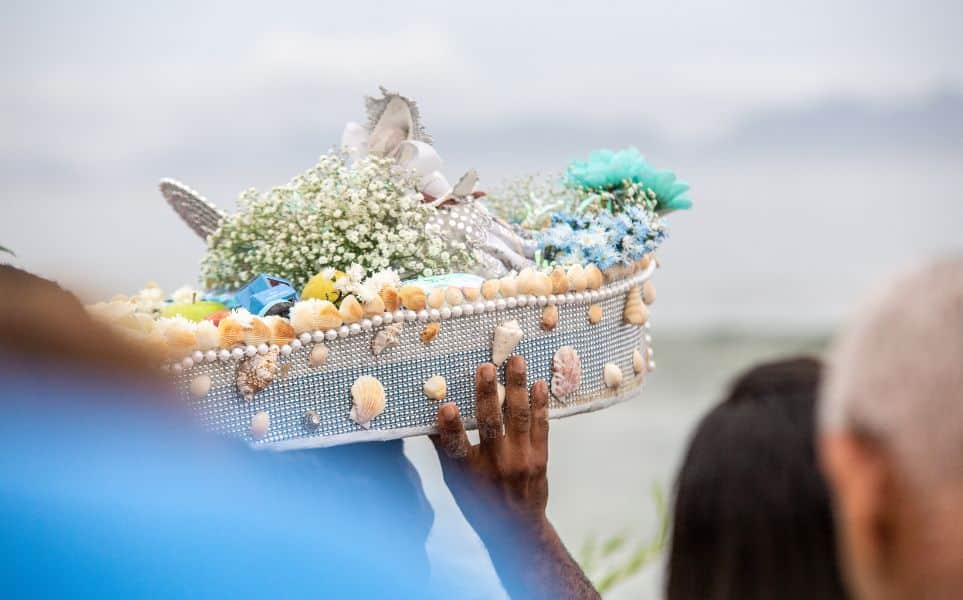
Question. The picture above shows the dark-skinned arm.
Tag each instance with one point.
(501, 484)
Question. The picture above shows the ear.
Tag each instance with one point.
(860, 476)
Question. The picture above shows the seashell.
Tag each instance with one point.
(638, 362)
(490, 288)
(436, 299)
(390, 297)
(577, 279)
(509, 287)
(549, 318)
(560, 281)
(412, 297)
(436, 388)
(311, 420)
(471, 293)
(644, 262)
(525, 282)
(200, 385)
(506, 337)
(566, 372)
(318, 355)
(386, 338)
(351, 310)
(593, 277)
(594, 313)
(612, 375)
(256, 373)
(306, 315)
(429, 333)
(260, 423)
(329, 317)
(281, 331)
(648, 292)
(375, 306)
(453, 296)
(207, 335)
(541, 285)
(636, 312)
(369, 400)
(501, 395)
(180, 339)
(258, 333)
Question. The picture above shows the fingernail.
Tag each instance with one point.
(486, 373)
(448, 411)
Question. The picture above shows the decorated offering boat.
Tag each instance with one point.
(347, 304)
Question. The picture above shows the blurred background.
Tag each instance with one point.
(823, 142)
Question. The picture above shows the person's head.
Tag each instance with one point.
(752, 517)
(891, 439)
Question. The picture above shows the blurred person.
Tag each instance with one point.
(891, 438)
(752, 516)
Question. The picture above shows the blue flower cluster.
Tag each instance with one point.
(607, 170)
(605, 239)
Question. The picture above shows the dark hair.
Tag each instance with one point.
(752, 516)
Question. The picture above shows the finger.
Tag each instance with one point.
(539, 433)
(451, 438)
(518, 412)
(487, 411)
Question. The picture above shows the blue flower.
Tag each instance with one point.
(607, 170)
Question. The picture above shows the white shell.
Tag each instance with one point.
(318, 355)
(368, 396)
(200, 385)
(638, 362)
(507, 335)
(566, 372)
(386, 338)
(207, 335)
(260, 423)
(635, 312)
(612, 375)
(436, 388)
(256, 373)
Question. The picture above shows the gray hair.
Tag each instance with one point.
(897, 372)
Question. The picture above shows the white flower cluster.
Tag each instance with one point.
(364, 288)
(334, 215)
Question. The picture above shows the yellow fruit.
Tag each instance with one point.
(320, 288)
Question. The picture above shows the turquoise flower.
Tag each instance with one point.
(607, 170)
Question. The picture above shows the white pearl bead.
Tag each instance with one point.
(542, 300)
(285, 349)
(366, 324)
(410, 316)
(648, 338)
(237, 353)
(522, 300)
(489, 305)
(569, 298)
(344, 331)
(377, 320)
(648, 325)
(331, 335)
(354, 328)
(652, 365)
(250, 351)
(468, 309)
(295, 344)
(399, 315)
(223, 354)
(479, 307)
(456, 311)
(445, 312)
(318, 336)
(262, 349)
(188, 362)
(422, 315)
(500, 304)
(177, 368)
(305, 338)
(552, 300)
(389, 318)
(198, 356)
(210, 356)
(511, 302)
(579, 297)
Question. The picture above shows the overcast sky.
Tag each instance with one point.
(100, 100)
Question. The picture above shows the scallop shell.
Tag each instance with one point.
(351, 310)
(594, 313)
(318, 355)
(541, 284)
(231, 332)
(549, 318)
(471, 293)
(577, 279)
(560, 282)
(375, 306)
(207, 335)
(200, 385)
(281, 330)
(490, 288)
(509, 287)
(436, 299)
(390, 297)
(525, 282)
(388, 337)
(636, 312)
(566, 373)
(506, 337)
(436, 388)
(306, 315)
(258, 333)
(429, 333)
(413, 297)
(612, 375)
(638, 362)
(328, 316)
(648, 292)
(256, 373)
(181, 341)
(368, 396)
(260, 423)
(453, 296)
(644, 262)
(593, 277)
